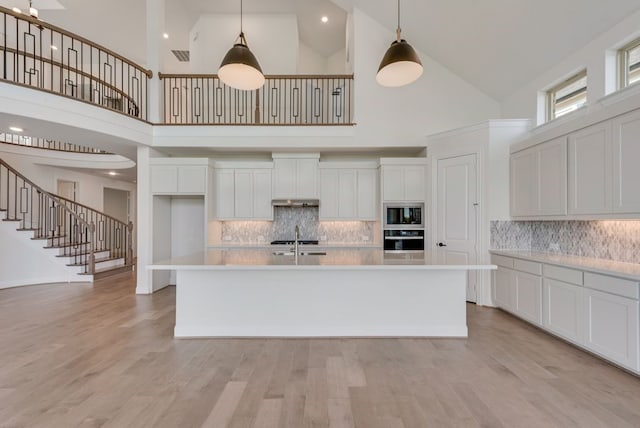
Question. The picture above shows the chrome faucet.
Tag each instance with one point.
(295, 248)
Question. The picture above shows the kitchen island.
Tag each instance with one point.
(341, 293)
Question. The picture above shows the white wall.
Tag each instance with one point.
(598, 57)
(438, 101)
(337, 63)
(273, 39)
(310, 61)
(115, 203)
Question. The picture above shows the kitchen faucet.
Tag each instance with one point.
(295, 248)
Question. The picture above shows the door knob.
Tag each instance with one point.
(441, 244)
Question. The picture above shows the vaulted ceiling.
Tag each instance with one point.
(496, 45)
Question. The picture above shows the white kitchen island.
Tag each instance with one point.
(345, 293)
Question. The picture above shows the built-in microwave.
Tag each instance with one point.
(403, 216)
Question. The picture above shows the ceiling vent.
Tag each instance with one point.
(182, 56)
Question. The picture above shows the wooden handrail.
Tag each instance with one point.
(52, 27)
(267, 76)
(69, 68)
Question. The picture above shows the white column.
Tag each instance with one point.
(155, 28)
(145, 226)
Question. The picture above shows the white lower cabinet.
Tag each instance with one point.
(528, 296)
(597, 312)
(562, 309)
(611, 327)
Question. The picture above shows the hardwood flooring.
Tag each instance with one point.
(100, 356)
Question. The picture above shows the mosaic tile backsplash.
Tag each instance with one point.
(284, 222)
(606, 239)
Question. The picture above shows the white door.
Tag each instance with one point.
(456, 230)
(67, 189)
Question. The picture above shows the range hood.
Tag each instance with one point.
(296, 203)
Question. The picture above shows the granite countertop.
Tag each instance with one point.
(604, 266)
(335, 258)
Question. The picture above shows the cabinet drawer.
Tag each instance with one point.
(502, 261)
(526, 266)
(609, 284)
(571, 276)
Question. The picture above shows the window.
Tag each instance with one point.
(568, 96)
(629, 64)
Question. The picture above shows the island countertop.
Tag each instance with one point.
(334, 259)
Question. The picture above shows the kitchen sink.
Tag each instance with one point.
(301, 253)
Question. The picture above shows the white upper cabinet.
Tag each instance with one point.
(539, 180)
(348, 193)
(626, 163)
(242, 194)
(295, 177)
(179, 176)
(404, 183)
(590, 170)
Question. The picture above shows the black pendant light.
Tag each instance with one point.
(240, 68)
(400, 65)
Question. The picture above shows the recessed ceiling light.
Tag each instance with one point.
(165, 35)
(16, 10)
(54, 48)
(113, 173)
(324, 19)
(15, 129)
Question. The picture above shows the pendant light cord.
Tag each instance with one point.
(398, 30)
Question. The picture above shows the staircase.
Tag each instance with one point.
(88, 243)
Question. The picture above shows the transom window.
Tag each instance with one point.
(568, 96)
(629, 64)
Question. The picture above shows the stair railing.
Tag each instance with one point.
(110, 234)
(64, 224)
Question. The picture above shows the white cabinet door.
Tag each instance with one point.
(552, 177)
(224, 194)
(243, 193)
(524, 183)
(164, 179)
(306, 178)
(503, 288)
(590, 172)
(262, 208)
(347, 194)
(414, 183)
(192, 179)
(328, 193)
(367, 194)
(284, 178)
(528, 296)
(612, 327)
(563, 309)
(626, 157)
(392, 183)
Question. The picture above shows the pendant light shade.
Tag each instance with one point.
(400, 65)
(240, 68)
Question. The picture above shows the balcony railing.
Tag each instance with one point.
(294, 100)
(43, 143)
(37, 54)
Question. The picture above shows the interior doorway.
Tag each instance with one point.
(117, 204)
(67, 189)
(457, 214)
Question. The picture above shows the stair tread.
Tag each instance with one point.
(27, 229)
(67, 245)
(105, 259)
(84, 253)
(43, 238)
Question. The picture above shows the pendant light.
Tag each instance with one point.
(240, 68)
(400, 65)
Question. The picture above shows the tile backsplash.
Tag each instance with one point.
(603, 239)
(284, 222)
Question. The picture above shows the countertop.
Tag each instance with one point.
(606, 267)
(321, 245)
(335, 258)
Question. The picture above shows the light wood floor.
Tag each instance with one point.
(98, 355)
